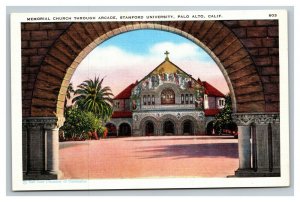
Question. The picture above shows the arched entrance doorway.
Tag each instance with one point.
(169, 128)
(188, 127)
(124, 130)
(167, 97)
(149, 128)
(210, 128)
(111, 129)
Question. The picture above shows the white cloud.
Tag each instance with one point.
(110, 56)
(122, 68)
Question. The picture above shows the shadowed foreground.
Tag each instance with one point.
(136, 157)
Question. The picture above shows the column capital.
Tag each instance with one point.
(244, 119)
(43, 122)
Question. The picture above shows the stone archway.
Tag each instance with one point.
(77, 40)
(192, 123)
(112, 129)
(149, 128)
(124, 129)
(168, 127)
(51, 53)
(187, 127)
(210, 130)
(143, 124)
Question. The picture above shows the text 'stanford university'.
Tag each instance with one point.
(168, 101)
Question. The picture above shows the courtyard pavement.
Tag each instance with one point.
(140, 157)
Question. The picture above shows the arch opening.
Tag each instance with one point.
(188, 127)
(210, 129)
(124, 130)
(168, 128)
(149, 128)
(111, 129)
(167, 97)
(151, 26)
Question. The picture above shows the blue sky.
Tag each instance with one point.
(140, 42)
(128, 57)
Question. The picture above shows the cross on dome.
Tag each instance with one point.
(167, 55)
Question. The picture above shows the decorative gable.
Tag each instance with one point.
(168, 73)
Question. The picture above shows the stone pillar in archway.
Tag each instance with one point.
(52, 149)
(41, 140)
(267, 144)
(244, 147)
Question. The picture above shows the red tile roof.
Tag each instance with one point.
(121, 114)
(211, 112)
(126, 93)
(209, 90)
(212, 91)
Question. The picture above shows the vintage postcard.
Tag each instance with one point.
(149, 100)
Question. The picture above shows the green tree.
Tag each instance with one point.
(223, 119)
(79, 124)
(92, 97)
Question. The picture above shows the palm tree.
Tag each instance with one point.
(70, 90)
(91, 96)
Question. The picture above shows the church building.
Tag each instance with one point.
(167, 101)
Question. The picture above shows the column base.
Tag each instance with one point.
(258, 173)
(42, 175)
(38, 175)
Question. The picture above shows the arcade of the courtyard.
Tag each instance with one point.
(150, 126)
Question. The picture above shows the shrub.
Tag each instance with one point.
(102, 132)
(80, 124)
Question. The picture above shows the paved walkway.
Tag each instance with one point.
(135, 157)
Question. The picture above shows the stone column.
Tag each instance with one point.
(52, 149)
(262, 148)
(41, 156)
(265, 153)
(160, 128)
(177, 128)
(276, 146)
(268, 144)
(244, 147)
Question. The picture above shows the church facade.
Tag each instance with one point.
(167, 101)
